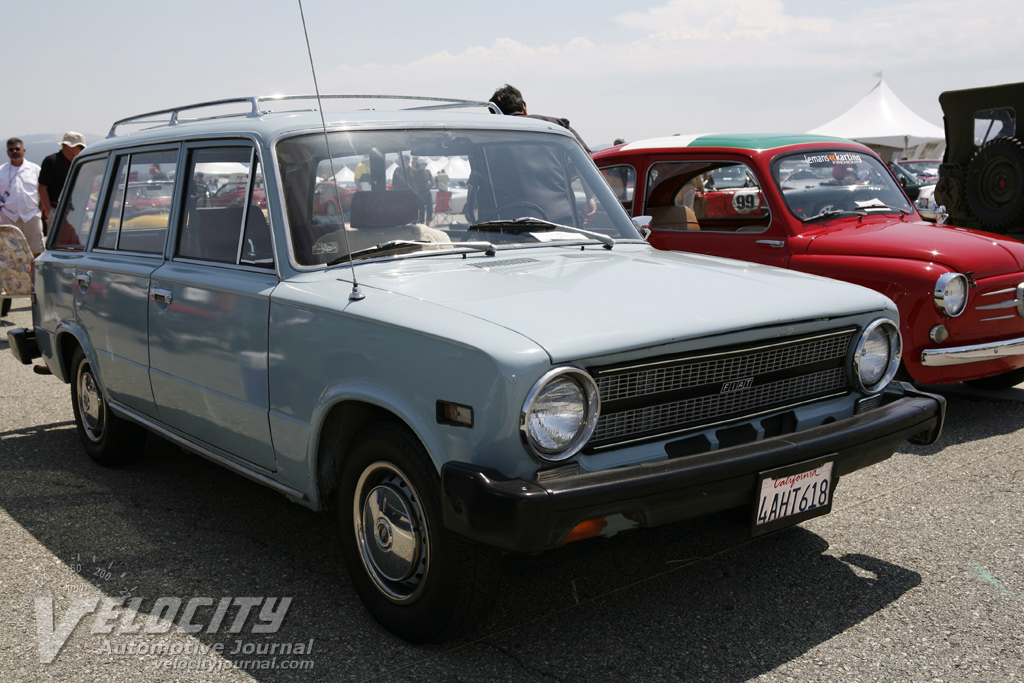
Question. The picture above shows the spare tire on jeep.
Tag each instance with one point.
(995, 183)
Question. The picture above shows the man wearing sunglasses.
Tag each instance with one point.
(19, 195)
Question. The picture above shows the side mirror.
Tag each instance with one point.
(941, 216)
(643, 224)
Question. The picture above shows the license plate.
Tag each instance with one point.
(791, 494)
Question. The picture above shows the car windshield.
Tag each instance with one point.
(922, 169)
(382, 193)
(822, 183)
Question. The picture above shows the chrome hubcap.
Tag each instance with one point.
(90, 405)
(391, 532)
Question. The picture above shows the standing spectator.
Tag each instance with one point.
(401, 179)
(511, 103)
(422, 181)
(54, 172)
(19, 195)
(362, 169)
(442, 180)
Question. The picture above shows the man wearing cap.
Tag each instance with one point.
(19, 195)
(422, 181)
(54, 172)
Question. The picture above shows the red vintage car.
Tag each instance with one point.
(234, 193)
(326, 196)
(832, 207)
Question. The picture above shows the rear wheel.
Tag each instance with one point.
(415, 578)
(108, 439)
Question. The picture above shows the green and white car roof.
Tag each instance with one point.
(737, 140)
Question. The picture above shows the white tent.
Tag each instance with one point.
(435, 165)
(345, 175)
(457, 168)
(880, 118)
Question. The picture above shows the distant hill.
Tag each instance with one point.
(39, 146)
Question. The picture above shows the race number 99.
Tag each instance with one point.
(746, 202)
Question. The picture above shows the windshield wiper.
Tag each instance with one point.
(834, 212)
(391, 245)
(879, 205)
(531, 223)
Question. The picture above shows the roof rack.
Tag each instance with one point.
(256, 107)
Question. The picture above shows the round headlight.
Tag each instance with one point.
(877, 356)
(951, 294)
(560, 414)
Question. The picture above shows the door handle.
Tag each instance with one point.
(774, 244)
(161, 296)
(83, 281)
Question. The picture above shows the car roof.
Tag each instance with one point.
(737, 140)
(266, 118)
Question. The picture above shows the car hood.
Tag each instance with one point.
(579, 304)
(963, 250)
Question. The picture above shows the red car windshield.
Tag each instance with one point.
(821, 183)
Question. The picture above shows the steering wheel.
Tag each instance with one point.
(850, 203)
(496, 214)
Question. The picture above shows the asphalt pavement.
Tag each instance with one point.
(916, 575)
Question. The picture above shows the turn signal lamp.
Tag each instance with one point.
(586, 529)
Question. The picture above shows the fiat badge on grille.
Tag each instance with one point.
(737, 384)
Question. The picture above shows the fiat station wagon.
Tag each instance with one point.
(513, 376)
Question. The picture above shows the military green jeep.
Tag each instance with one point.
(982, 175)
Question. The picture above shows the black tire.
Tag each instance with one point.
(415, 578)
(995, 184)
(108, 439)
(330, 209)
(1003, 381)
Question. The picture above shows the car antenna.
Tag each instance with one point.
(356, 294)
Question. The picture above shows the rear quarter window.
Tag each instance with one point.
(80, 207)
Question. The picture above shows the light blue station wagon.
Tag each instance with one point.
(496, 362)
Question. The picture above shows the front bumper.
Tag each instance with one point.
(523, 515)
(977, 353)
(23, 345)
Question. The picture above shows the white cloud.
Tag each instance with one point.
(723, 20)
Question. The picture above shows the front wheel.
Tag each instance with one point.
(108, 439)
(415, 578)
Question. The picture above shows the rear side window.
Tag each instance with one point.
(622, 180)
(225, 217)
(139, 209)
(713, 196)
(994, 123)
(80, 207)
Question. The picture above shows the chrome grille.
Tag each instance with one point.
(717, 369)
(707, 408)
(682, 394)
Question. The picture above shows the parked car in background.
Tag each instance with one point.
(236, 193)
(328, 194)
(832, 207)
(981, 179)
(926, 170)
(521, 375)
(912, 184)
(927, 206)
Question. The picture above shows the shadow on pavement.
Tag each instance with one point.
(692, 601)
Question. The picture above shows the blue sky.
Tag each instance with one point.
(615, 69)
